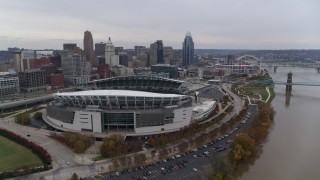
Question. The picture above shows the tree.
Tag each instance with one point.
(224, 128)
(80, 147)
(23, 118)
(163, 140)
(218, 176)
(183, 147)
(118, 138)
(243, 148)
(74, 176)
(151, 142)
(163, 153)
(37, 115)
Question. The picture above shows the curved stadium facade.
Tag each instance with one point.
(114, 108)
(140, 83)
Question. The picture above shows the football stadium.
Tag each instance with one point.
(134, 105)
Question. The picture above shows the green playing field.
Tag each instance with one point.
(13, 155)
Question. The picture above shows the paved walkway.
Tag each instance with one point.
(269, 95)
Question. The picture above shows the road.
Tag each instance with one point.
(200, 163)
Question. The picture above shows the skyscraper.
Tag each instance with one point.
(69, 46)
(167, 54)
(188, 50)
(156, 53)
(88, 48)
(100, 48)
(110, 54)
(139, 50)
(75, 68)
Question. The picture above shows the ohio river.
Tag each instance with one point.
(292, 151)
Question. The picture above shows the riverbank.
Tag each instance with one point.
(290, 152)
(248, 145)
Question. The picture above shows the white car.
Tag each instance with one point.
(195, 169)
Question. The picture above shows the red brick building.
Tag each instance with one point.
(56, 81)
(104, 71)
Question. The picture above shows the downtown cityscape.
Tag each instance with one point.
(155, 99)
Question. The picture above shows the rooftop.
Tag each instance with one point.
(127, 93)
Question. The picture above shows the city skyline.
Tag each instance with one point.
(245, 24)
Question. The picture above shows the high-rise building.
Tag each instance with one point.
(123, 59)
(88, 48)
(118, 50)
(17, 59)
(172, 70)
(110, 55)
(69, 46)
(230, 60)
(75, 69)
(33, 80)
(156, 53)
(99, 49)
(167, 54)
(9, 84)
(188, 50)
(139, 50)
(104, 71)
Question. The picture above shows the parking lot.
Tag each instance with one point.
(189, 165)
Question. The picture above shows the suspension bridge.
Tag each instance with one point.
(296, 83)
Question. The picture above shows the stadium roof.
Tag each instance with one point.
(127, 93)
(138, 77)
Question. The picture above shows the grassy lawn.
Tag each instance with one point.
(13, 155)
(272, 94)
(260, 90)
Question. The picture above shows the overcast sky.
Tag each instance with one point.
(216, 24)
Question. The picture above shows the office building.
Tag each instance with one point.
(69, 46)
(99, 49)
(104, 71)
(118, 50)
(166, 68)
(230, 60)
(17, 59)
(156, 53)
(188, 51)
(88, 48)
(75, 69)
(33, 80)
(139, 50)
(101, 60)
(110, 55)
(167, 54)
(56, 81)
(9, 84)
(123, 59)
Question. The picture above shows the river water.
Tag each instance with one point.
(292, 151)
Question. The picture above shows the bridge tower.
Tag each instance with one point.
(289, 82)
(275, 69)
